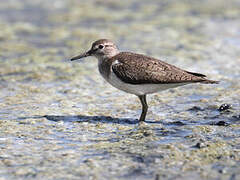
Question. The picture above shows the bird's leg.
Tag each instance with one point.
(144, 107)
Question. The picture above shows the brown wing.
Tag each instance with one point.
(139, 69)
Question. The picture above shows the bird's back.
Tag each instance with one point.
(140, 69)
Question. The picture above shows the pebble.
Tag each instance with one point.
(221, 123)
(224, 107)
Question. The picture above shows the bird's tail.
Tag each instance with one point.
(207, 81)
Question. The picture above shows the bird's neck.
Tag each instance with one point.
(106, 57)
(104, 65)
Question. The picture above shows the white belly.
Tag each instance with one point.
(139, 89)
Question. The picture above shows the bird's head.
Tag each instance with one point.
(101, 49)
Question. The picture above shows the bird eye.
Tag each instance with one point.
(101, 46)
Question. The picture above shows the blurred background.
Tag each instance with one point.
(61, 116)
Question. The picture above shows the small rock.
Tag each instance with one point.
(146, 133)
(221, 123)
(222, 171)
(236, 117)
(195, 108)
(200, 145)
(224, 107)
(178, 123)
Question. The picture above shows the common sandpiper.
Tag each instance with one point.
(138, 74)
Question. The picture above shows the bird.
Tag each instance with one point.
(138, 74)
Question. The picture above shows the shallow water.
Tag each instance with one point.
(61, 120)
